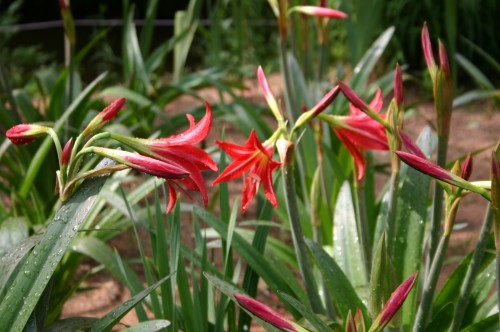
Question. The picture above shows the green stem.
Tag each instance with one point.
(437, 208)
(393, 209)
(472, 270)
(425, 307)
(57, 143)
(364, 231)
(291, 105)
(304, 262)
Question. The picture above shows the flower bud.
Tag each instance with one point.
(101, 119)
(26, 133)
(467, 168)
(443, 59)
(353, 97)
(318, 11)
(66, 152)
(264, 312)
(398, 86)
(427, 48)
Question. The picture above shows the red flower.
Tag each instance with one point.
(179, 150)
(358, 131)
(254, 158)
(25, 133)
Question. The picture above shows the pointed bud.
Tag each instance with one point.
(271, 101)
(142, 163)
(264, 312)
(325, 101)
(353, 97)
(318, 108)
(410, 145)
(443, 59)
(427, 48)
(63, 5)
(350, 326)
(394, 303)
(398, 86)
(66, 152)
(318, 11)
(283, 146)
(102, 119)
(26, 133)
(467, 168)
(425, 166)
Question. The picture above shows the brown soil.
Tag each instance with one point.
(472, 128)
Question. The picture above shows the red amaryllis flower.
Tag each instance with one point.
(179, 150)
(358, 131)
(254, 158)
(25, 133)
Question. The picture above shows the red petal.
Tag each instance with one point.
(196, 132)
(377, 101)
(358, 158)
(172, 197)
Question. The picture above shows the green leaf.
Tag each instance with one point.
(13, 257)
(102, 253)
(366, 65)
(315, 321)
(73, 324)
(347, 250)
(441, 320)
(12, 231)
(112, 318)
(341, 290)
(34, 275)
(255, 259)
(152, 325)
(490, 324)
(474, 72)
(381, 284)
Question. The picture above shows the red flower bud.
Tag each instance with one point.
(398, 86)
(427, 47)
(66, 152)
(467, 168)
(264, 312)
(25, 133)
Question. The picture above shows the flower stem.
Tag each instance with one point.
(305, 266)
(363, 227)
(437, 207)
(424, 309)
(472, 270)
(393, 209)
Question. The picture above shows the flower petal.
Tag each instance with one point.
(196, 132)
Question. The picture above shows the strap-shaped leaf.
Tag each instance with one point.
(32, 278)
(112, 318)
(343, 294)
